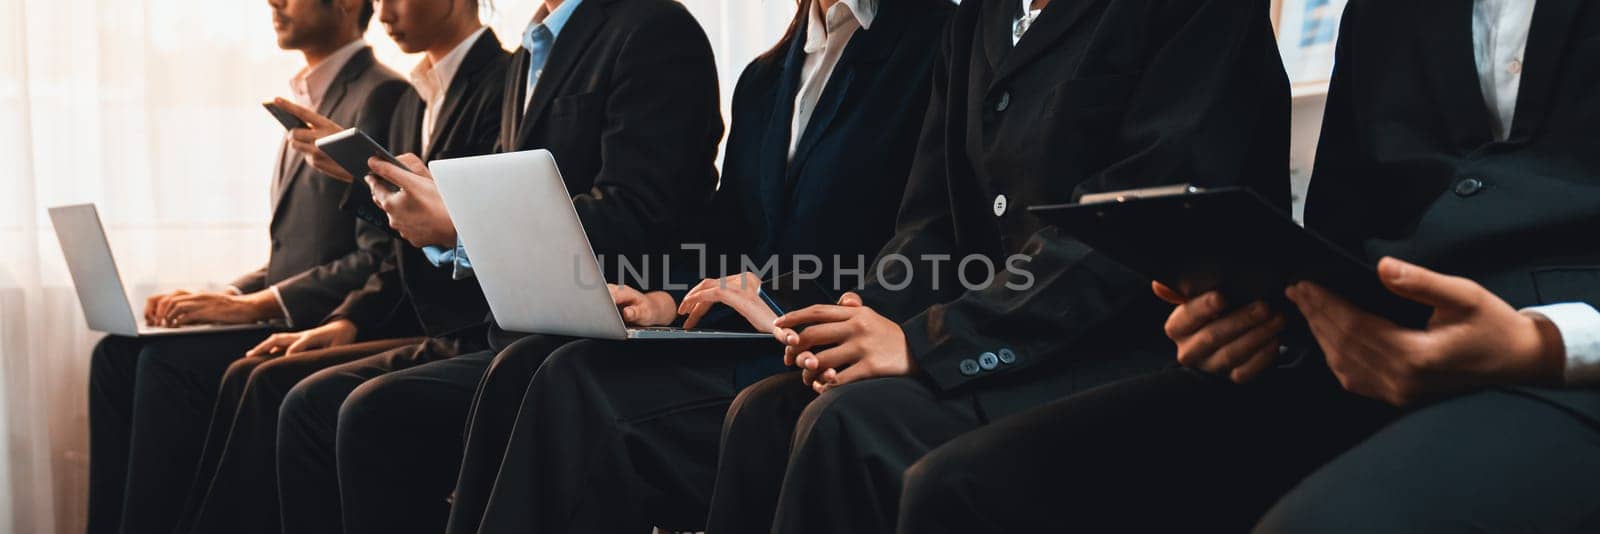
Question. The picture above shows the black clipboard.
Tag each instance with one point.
(1231, 240)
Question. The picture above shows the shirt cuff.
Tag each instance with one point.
(1579, 324)
(288, 320)
(438, 256)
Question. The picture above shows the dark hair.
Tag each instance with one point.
(801, 11)
(365, 16)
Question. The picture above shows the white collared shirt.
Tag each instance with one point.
(1021, 25)
(827, 35)
(1499, 40)
(432, 82)
(311, 83)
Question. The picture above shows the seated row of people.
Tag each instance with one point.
(1046, 398)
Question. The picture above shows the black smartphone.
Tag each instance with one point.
(351, 148)
(288, 120)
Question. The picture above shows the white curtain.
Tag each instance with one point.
(149, 108)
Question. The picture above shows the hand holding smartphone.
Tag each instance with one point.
(351, 149)
(288, 120)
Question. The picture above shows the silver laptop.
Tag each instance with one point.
(530, 253)
(100, 290)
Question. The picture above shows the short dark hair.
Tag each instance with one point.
(365, 16)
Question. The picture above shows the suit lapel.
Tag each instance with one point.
(1053, 22)
(995, 30)
(1445, 34)
(1553, 21)
(568, 48)
(775, 141)
(462, 84)
(866, 49)
(511, 113)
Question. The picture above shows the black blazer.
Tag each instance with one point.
(319, 253)
(1099, 95)
(839, 194)
(1408, 165)
(468, 124)
(628, 104)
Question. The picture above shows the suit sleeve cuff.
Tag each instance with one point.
(288, 319)
(1579, 324)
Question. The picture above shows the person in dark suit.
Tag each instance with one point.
(624, 94)
(149, 398)
(452, 111)
(824, 127)
(1458, 135)
(1032, 104)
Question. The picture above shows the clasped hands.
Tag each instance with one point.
(833, 345)
(1473, 339)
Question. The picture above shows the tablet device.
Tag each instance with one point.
(1227, 239)
(288, 120)
(351, 149)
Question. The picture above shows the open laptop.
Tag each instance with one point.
(530, 253)
(100, 290)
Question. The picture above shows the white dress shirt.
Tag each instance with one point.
(432, 82)
(1499, 39)
(827, 35)
(1021, 25)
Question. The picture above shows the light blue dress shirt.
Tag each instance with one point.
(539, 38)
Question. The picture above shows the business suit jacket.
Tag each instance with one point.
(837, 197)
(467, 124)
(628, 104)
(318, 253)
(1408, 165)
(1098, 96)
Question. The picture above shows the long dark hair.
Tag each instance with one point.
(801, 11)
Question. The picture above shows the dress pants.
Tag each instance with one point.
(417, 417)
(793, 461)
(619, 436)
(1172, 451)
(308, 424)
(1495, 461)
(234, 489)
(148, 402)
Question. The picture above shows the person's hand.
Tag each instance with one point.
(643, 309)
(336, 333)
(184, 308)
(742, 292)
(1236, 344)
(861, 344)
(304, 140)
(416, 211)
(1473, 339)
(155, 306)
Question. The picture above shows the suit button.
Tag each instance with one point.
(969, 367)
(1003, 103)
(1000, 205)
(988, 361)
(1468, 187)
(1007, 356)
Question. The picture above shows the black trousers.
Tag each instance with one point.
(619, 436)
(793, 461)
(308, 429)
(148, 406)
(1496, 461)
(1172, 451)
(417, 418)
(235, 486)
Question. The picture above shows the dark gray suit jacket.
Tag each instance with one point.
(320, 253)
